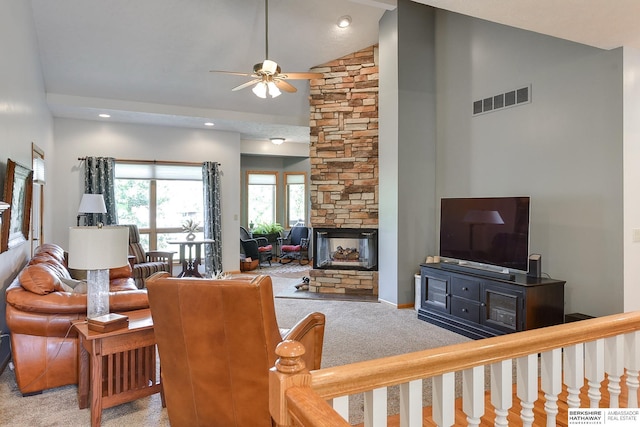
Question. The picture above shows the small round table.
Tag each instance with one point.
(190, 262)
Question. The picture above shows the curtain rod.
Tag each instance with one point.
(155, 162)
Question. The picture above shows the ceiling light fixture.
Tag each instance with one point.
(261, 89)
(277, 141)
(344, 21)
(104, 115)
(208, 124)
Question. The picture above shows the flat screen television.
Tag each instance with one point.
(490, 231)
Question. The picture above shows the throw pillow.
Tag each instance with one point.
(39, 279)
(81, 288)
(71, 283)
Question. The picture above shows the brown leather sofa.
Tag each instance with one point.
(216, 340)
(40, 308)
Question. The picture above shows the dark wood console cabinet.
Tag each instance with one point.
(477, 306)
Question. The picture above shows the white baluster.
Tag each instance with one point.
(594, 369)
(411, 404)
(574, 373)
(614, 366)
(341, 406)
(443, 397)
(501, 390)
(551, 373)
(632, 363)
(473, 394)
(527, 381)
(375, 407)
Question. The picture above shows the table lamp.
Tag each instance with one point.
(91, 203)
(97, 249)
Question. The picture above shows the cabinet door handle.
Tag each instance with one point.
(464, 288)
(464, 310)
(483, 304)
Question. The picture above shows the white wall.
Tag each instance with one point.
(24, 118)
(407, 144)
(81, 138)
(631, 178)
(564, 149)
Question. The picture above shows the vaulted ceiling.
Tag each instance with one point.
(148, 61)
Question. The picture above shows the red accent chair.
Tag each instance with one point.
(256, 247)
(295, 245)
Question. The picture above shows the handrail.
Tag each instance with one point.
(362, 376)
(368, 375)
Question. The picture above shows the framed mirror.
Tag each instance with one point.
(17, 191)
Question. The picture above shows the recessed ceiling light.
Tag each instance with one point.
(208, 124)
(104, 115)
(344, 21)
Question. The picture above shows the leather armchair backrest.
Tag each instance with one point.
(216, 340)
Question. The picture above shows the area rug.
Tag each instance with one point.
(291, 270)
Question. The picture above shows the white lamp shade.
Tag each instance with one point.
(98, 248)
(92, 203)
(273, 89)
(260, 89)
(4, 206)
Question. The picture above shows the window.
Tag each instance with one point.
(296, 198)
(158, 198)
(261, 197)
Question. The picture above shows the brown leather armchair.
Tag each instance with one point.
(216, 341)
(145, 263)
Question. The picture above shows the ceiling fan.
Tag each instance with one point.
(267, 75)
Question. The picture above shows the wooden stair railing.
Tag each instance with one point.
(574, 352)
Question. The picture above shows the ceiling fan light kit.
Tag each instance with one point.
(267, 77)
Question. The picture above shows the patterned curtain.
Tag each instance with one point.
(212, 218)
(99, 175)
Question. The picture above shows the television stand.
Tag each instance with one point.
(477, 270)
(474, 305)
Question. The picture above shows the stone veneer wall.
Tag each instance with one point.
(344, 159)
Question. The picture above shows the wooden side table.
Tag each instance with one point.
(117, 366)
(189, 261)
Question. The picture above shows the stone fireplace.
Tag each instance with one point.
(344, 173)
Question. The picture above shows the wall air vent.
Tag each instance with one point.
(511, 98)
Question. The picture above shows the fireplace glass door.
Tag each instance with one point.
(345, 249)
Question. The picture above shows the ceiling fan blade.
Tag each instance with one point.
(247, 84)
(301, 76)
(233, 73)
(285, 86)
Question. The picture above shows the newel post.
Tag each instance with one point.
(289, 371)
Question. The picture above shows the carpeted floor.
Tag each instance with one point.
(355, 331)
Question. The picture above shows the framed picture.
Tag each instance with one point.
(17, 191)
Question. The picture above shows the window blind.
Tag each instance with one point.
(158, 171)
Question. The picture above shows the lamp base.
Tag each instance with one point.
(97, 293)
